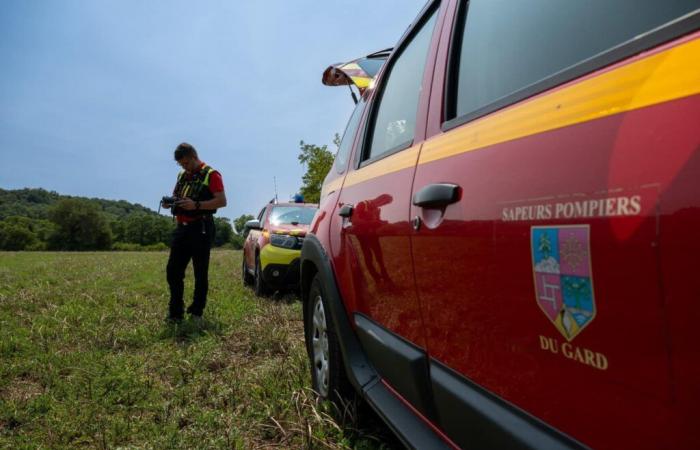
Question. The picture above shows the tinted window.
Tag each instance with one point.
(508, 45)
(395, 118)
(292, 215)
(341, 158)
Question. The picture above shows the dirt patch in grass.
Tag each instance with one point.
(21, 390)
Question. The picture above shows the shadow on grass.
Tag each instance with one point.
(189, 331)
(287, 296)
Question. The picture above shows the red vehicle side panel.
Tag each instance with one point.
(615, 175)
(614, 384)
(373, 258)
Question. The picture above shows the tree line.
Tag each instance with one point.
(36, 219)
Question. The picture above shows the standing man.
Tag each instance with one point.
(200, 191)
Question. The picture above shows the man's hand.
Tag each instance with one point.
(219, 201)
(187, 204)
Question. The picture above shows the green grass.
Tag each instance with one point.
(86, 360)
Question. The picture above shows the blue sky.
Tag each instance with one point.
(95, 95)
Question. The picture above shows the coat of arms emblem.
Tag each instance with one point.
(561, 264)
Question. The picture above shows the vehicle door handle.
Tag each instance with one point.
(346, 210)
(437, 195)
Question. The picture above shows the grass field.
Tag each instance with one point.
(86, 360)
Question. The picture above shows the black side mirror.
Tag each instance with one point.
(252, 225)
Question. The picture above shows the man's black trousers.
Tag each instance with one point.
(191, 241)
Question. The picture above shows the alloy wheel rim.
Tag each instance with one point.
(319, 341)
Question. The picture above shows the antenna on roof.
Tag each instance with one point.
(275, 180)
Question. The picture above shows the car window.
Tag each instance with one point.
(503, 46)
(341, 158)
(394, 119)
(292, 215)
(263, 216)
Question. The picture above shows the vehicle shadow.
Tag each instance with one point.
(287, 296)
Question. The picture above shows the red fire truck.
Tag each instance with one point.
(506, 250)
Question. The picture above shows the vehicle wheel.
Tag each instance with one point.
(261, 289)
(245, 276)
(327, 370)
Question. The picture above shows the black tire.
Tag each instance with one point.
(245, 276)
(337, 387)
(261, 288)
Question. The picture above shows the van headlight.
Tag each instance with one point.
(283, 241)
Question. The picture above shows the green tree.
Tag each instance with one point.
(134, 229)
(24, 233)
(224, 232)
(16, 237)
(318, 161)
(79, 226)
(239, 231)
(145, 229)
(117, 227)
(43, 229)
(164, 227)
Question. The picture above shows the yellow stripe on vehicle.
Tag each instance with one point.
(668, 75)
(393, 163)
(333, 185)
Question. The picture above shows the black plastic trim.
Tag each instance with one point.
(413, 432)
(473, 417)
(346, 210)
(360, 371)
(401, 363)
(665, 33)
(288, 274)
(436, 195)
(459, 21)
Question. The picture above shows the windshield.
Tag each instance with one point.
(293, 215)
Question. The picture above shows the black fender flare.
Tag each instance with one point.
(314, 259)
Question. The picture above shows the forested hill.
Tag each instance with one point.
(36, 219)
(36, 203)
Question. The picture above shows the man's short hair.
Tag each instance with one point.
(183, 150)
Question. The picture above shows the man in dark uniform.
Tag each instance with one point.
(200, 191)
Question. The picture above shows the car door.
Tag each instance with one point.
(370, 236)
(253, 238)
(537, 192)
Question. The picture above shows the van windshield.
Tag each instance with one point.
(292, 215)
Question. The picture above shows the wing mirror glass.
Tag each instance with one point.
(252, 225)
